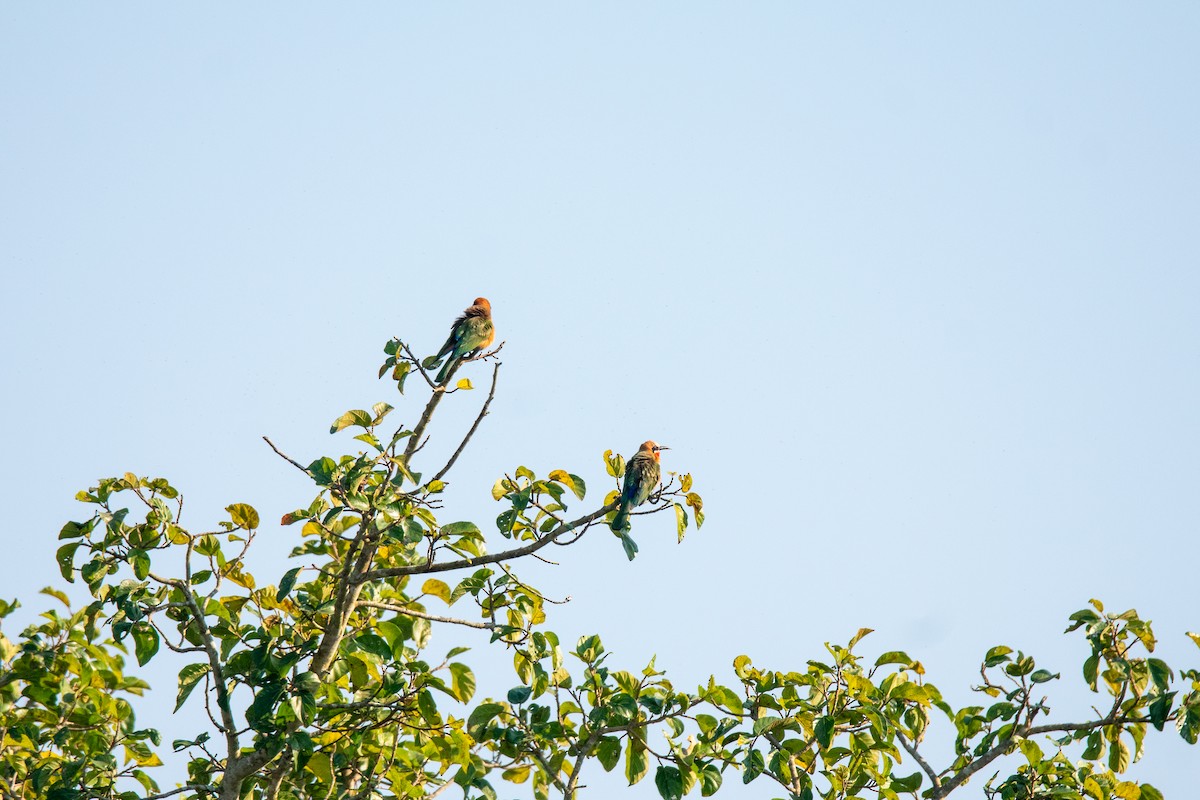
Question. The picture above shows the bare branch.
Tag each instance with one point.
(291, 461)
(482, 413)
(911, 747)
(487, 626)
(191, 787)
(415, 440)
(417, 363)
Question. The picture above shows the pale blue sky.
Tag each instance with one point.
(911, 289)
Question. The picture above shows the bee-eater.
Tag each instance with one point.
(469, 335)
(642, 474)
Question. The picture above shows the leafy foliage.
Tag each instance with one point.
(320, 682)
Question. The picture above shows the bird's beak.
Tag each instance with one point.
(660, 447)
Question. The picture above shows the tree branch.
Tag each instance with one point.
(493, 558)
(961, 777)
(482, 413)
(294, 463)
(413, 441)
(191, 787)
(925, 767)
(487, 626)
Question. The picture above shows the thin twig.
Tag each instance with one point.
(191, 787)
(417, 363)
(482, 413)
(294, 463)
(487, 626)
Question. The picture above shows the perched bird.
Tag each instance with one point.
(641, 476)
(469, 335)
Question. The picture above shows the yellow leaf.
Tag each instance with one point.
(438, 589)
(464, 383)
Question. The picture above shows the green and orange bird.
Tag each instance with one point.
(469, 335)
(642, 474)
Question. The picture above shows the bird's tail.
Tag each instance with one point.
(448, 369)
(621, 520)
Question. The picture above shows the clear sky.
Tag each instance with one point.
(911, 289)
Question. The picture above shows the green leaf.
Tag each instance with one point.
(1150, 793)
(636, 763)
(609, 752)
(1089, 670)
(710, 780)
(1160, 710)
(1044, 675)
(356, 417)
(996, 656)
(893, 657)
(571, 481)
(669, 783)
(428, 708)
(243, 516)
(480, 717)
(322, 470)
(1160, 673)
(66, 559)
(462, 681)
(727, 699)
(189, 676)
(752, 766)
(56, 594)
(519, 695)
(767, 723)
(73, 530)
(260, 710)
(375, 645)
(824, 731)
(1094, 748)
(307, 682)
(145, 642)
(286, 583)
(141, 564)
(461, 528)
(1118, 756)
(856, 638)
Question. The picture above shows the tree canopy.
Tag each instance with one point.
(324, 681)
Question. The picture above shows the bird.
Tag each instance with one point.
(469, 335)
(642, 474)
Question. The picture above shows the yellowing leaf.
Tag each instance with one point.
(500, 488)
(464, 383)
(356, 417)
(244, 516)
(438, 589)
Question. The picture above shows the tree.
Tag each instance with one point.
(320, 685)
